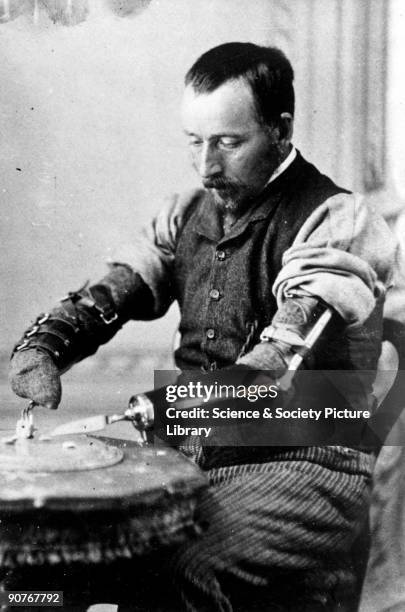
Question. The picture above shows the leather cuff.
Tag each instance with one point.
(75, 329)
(293, 332)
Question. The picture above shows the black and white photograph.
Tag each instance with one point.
(202, 315)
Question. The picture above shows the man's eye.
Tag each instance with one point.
(229, 143)
(194, 142)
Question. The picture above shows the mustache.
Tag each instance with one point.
(219, 183)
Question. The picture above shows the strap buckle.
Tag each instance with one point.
(99, 304)
(110, 319)
(284, 335)
(32, 332)
(24, 344)
(107, 314)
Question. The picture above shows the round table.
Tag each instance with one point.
(81, 531)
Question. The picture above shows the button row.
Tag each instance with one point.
(215, 295)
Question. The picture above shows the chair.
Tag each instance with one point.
(386, 375)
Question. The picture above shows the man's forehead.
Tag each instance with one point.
(230, 106)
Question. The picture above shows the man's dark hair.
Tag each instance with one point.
(266, 70)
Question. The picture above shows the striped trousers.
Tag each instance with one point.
(276, 535)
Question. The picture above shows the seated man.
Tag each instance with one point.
(253, 260)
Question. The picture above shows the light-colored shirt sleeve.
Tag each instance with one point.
(344, 254)
(152, 252)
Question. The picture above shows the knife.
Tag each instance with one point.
(97, 423)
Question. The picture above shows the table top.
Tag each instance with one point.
(142, 476)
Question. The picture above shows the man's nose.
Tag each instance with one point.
(209, 162)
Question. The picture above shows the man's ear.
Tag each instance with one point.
(286, 127)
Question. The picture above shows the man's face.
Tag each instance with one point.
(232, 152)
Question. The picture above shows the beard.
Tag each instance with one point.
(235, 196)
(228, 195)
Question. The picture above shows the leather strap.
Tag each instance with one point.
(97, 299)
(290, 338)
(73, 330)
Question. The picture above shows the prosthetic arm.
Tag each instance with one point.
(73, 330)
(290, 338)
(284, 345)
(92, 315)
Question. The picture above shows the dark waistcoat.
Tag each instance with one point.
(223, 282)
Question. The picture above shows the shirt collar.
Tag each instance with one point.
(283, 166)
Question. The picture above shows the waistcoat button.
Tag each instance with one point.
(221, 255)
(210, 333)
(214, 294)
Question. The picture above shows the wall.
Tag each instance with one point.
(396, 97)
